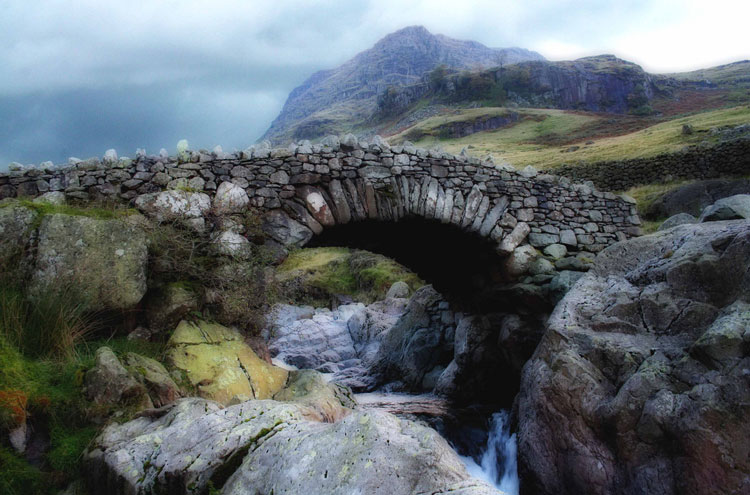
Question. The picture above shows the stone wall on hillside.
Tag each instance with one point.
(731, 158)
(305, 188)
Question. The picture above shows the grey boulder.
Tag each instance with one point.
(731, 208)
(263, 446)
(640, 383)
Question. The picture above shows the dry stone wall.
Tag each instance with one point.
(305, 188)
(731, 158)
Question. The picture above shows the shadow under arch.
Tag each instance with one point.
(461, 265)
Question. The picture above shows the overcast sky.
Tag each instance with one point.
(80, 76)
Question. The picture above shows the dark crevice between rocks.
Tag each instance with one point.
(225, 470)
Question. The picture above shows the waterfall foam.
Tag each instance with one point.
(497, 464)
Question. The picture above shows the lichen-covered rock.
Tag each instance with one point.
(233, 245)
(161, 387)
(731, 208)
(52, 197)
(179, 449)
(640, 383)
(102, 261)
(675, 220)
(16, 225)
(109, 383)
(374, 453)
(263, 446)
(221, 365)
(328, 401)
(173, 205)
(399, 289)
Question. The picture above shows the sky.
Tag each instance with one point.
(80, 77)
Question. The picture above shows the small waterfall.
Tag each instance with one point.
(497, 463)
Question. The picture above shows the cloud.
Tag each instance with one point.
(78, 77)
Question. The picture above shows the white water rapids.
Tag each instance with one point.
(497, 464)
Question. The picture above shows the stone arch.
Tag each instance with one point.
(316, 207)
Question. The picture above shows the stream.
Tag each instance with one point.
(343, 343)
(485, 444)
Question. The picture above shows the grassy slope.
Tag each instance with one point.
(528, 142)
(734, 73)
(327, 272)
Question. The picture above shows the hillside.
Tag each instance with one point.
(553, 113)
(546, 138)
(333, 101)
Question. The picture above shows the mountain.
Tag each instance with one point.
(332, 101)
(603, 83)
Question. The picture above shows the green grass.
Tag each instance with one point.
(728, 74)
(18, 477)
(94, 210)
(523, 144)
(316, 275)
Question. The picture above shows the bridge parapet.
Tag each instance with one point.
(306, 188)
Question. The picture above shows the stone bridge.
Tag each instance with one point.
(304, 189)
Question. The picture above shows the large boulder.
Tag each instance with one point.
(265, 447)
(314, 341)
(374, 453)
(693, 198)
(179, 449)
(331, 341)
(102, 261)
(219, 363)
(731, 208)
(640, 383)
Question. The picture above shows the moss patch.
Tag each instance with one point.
(93, 210)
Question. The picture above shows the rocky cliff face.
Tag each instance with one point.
(603, 83)
(349, 92)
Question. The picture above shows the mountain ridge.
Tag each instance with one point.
(351, 90)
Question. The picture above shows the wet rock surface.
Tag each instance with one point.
(640, 383)
(263, 446)
(343, 342)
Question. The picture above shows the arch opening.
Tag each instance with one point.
(462, 266)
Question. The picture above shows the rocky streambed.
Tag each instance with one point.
(640, 384)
